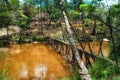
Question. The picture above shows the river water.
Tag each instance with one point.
(95, 48)
(36, 61)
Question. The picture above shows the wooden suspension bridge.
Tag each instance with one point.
(59, 46)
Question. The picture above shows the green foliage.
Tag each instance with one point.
(4, 15)
(55, 14)
(73, 14)
(24, 38)
(88, 10)
(6, 11)
(103, 70)
(14, 4)
(115, 16)
(115, 9)
(5, 72)
(75, 76)
(87, 7)
(5, 75)
(116, 78)
(23, 24)
(88, 22)
(23, 19)
(84, 7)
(117, 45)
(38, 38)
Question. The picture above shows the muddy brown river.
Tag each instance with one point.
(36, 62)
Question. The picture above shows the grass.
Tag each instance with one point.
(103, 70)
(75, 76)
(5, 67)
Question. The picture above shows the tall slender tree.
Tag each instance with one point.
(82, 69)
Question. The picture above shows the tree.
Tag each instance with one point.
(5, 17)
(7, 8)
(82, 69)
(23, 24)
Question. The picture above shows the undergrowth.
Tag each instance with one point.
(103, 70)
(4, 67)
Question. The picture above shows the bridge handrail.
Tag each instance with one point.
(88, 53)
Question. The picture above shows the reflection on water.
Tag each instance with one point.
(40, 71)
(36, 62)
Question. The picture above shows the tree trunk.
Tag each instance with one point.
(110, 26)
(82, 69)
(20, 35)
(93, 32)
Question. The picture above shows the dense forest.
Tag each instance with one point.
(85, 33)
